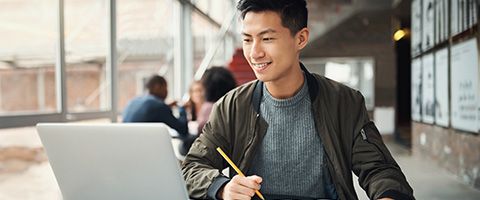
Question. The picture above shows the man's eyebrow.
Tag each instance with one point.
(267, 31)
(261, 33)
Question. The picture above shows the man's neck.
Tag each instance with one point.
(287, 86)
(156, 96)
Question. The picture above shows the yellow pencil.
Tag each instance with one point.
(236, 169)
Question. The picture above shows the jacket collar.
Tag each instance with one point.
(311, 82)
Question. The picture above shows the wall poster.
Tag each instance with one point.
(428, 24)
(428, 90)
(464, 86)
(416, 27)
(454, 25)
(441, 24)
(442, 112)
(464, 15)
(417, 89)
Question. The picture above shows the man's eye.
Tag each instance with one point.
(268, 39)
(246, 40)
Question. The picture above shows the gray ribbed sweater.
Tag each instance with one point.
(291, 158)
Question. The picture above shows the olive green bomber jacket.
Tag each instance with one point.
(351, 142)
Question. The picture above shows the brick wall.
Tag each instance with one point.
(458, 152)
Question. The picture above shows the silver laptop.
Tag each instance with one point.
(113, 161)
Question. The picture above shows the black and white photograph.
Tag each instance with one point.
(441, 28)
(428, 91)
(442, 113)
(463, 15)
(464, 86)
(454, 18)
(473, 12)
(428, 24)
(417, 89)
(416, 47)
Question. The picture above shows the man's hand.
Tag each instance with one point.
(240, 187)
(172, 104)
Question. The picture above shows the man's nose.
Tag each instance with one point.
(256, 51)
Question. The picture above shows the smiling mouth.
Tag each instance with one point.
(261, 66)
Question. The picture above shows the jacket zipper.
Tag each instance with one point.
(365, 138)
(254, 129)
(250, 143)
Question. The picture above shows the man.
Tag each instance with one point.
(152, 108)
(297, 134)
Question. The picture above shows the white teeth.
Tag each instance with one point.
(260, 65)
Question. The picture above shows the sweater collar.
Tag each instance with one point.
(311, 82)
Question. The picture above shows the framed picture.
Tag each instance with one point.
(442, 112)
(417, 89)
(416, 47)
(441, 21)
(454, 18)
(428, 25)
(428, 90)
(464, 86)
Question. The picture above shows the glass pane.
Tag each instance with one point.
(218, 10)
(86, 25)
(145, 42)
(203, 37)
(28, 32)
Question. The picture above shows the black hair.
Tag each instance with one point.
(294, 13)
(217, 82)
(155, 80)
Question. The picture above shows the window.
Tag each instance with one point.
(27, 57)
(145, 45)
(86, 38)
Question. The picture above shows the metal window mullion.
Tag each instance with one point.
(178, 49)
(204, 15)
(187, 48)
(112, 71)
(60, 66)
(183, 59)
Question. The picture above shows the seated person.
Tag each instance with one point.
(195, 101)
(217, 81)
(295, 134)
(152, 108)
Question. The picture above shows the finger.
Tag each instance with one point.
(238, 196)
(247, 182)
(240, 189)
(255, 178)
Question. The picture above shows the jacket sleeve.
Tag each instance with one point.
(164, 114)
(378, 173)
(202, 166)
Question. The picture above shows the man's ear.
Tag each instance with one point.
(302, 38)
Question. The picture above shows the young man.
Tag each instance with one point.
(297, 134)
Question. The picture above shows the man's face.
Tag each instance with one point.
(269, 48)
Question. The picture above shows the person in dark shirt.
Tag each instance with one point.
(152, 108)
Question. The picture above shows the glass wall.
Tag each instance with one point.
(203, 33)
(29, 34)
(207, 31)
(86, 38)
(145, 44)
(55, 67)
